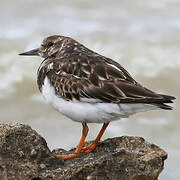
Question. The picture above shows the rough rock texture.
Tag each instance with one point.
(24, 155)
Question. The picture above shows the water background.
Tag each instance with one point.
(142, 35)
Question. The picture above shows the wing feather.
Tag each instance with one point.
(99, 81)
(83, 74)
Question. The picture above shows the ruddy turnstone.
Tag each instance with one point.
(90, 88)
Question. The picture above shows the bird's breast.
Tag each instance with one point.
(80, 111)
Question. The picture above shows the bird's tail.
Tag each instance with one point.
(166, 99)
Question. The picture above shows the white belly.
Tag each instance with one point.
(89, 111)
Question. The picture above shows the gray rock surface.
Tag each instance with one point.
(24, 155)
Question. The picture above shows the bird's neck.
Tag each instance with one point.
(45, 66)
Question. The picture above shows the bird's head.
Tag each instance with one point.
(50, 46)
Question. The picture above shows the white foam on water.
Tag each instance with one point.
(13, 69)
(14, 32)
(154, 61)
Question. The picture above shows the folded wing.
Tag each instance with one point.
(102, 80)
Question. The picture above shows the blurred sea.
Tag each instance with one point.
(142, 35)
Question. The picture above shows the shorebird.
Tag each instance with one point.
(90, 88)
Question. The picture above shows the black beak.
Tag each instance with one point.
(34, 52)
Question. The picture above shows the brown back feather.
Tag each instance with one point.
(78, 73)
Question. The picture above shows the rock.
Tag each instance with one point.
(24, 155)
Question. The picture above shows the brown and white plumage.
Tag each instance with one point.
(77, 72)
(88, 87)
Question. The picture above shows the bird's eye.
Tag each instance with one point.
(50, 44)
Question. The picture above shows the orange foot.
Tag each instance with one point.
(68, 156)
(89, 148)
(79, 147)
(93, 145)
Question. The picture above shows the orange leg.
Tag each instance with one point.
(93, 145)
(80, 145)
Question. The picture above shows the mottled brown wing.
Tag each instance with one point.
(102, 80)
